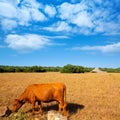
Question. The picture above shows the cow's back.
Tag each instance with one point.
(47, 92)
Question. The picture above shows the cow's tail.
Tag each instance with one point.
(65, 103)
(64, 93)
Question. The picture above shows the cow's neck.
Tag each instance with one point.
(22, 97)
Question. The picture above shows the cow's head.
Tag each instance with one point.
(7, 112)
(16, 105)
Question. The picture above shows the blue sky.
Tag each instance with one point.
(59, 32)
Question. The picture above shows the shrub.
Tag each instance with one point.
(72, 69)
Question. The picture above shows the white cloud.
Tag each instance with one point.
(68, 10)
(27, 42)
(8, 24)
(30, 10)
(75, 14)
(23, 14)
(14, 2)
(112, 26)
(37, 15)
(31, 4)
(23, 17)
(59, 27)
(7, 10)
(84, 17)
(50, 10)
(91, 18)
(111, 48)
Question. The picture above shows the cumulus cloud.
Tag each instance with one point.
(21, 12)
(84, 17)
(8, 24)
(68, 10)
(14, 2)
(31, 10)
(37, 15)
(50, 10)
(23, 17)
(75, 13)
(7, 10)
(111, 48)
(93, 16)
(59, 27)
(27, 42)
(31, 4)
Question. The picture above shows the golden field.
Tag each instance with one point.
(90, 96)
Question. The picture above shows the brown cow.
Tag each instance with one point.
(42, 93)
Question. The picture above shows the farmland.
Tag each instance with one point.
(90, 96)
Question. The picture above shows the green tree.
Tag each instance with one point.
(72, 69)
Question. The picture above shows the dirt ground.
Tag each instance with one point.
(90, 96)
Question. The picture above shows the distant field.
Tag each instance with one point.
(90, 96)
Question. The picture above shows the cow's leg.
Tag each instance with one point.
(33, 108)
(40, 107)
(62, 106)
(61, 103)
(64, 109)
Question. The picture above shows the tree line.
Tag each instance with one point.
(111, 70)
(65, 69)
(27, 69)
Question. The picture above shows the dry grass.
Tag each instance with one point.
(90, 96)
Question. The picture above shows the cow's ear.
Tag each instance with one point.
(17, 100)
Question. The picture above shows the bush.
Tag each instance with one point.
(111, 70)
(1, 69)
(72, 69)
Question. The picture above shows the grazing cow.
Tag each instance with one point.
(42, 93)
